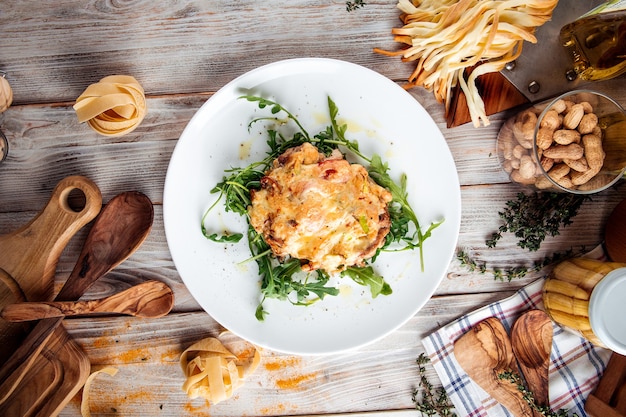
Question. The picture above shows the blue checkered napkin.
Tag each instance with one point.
(575, 369)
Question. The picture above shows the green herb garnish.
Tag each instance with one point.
(353, 5)
(509, 273)
(277, 278)
(427, 399)
(535, 216)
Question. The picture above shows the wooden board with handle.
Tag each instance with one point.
(27, 267)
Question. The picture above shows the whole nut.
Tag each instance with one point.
(551, 120)
(526, 167)
(571, 151)
(559, 171)
(587, 124)
(544, 137)
(573, 116)
(579, 165)
(566, 136)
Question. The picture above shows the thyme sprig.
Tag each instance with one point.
(533, 217)
(515, 272)
(354, 5)
(529, 397)
(427, 399)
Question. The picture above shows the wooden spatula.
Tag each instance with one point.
(484, 353)
(150, 299)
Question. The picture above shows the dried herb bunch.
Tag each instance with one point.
(427, 399)
(535, 216)
(508, 274)
(353, 5)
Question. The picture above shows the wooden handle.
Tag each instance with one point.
(31, 253)
(150, 299)
(30, 256)
(531, 339)
(484, 353)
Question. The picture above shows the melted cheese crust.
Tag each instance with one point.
(322, 210)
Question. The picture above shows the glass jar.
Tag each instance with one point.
(587, 296)
(575, 143)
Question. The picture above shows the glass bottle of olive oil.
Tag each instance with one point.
(597, 41)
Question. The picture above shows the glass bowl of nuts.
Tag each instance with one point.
(575, 143)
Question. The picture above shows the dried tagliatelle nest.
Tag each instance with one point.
(214, 372)
(450, 40)
(114, 106)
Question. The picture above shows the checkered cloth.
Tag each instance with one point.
(575, 369)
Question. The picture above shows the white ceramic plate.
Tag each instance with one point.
(386, 120)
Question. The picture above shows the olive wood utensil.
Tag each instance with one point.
(29, 255)
(531, 339)
(485, 352)
(120, 228)
(150, 299)
(609, 397)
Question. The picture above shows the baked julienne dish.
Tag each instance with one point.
(312, 214)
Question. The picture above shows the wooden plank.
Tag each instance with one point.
(183, 47)
(379, 376)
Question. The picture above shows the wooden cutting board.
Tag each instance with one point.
(497, 93)
(27, 268)
(31, 253)
(55, 378)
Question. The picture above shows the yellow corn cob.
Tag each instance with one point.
(597, 266)
(566, 288)
(566, 304)
(569, 320)
(573, 273)
(591, 336)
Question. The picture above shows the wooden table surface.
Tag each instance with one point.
(182, 52)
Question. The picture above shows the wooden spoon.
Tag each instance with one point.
(150, 299)
(531, 339)
(484, 353)
(120, 228)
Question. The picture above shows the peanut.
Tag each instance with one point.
(587, 124)
(517, 177)
(587, 107)
(579, 165)
(566, 136)
(579, 178)
(559, 106)
(544, 138)
(593, 151)
(546, 163)
(571, 151)
(524, 128)
(573, 116)
(551, 120)
(558, 171)
(543, 183)
(518, 151)
(565, 182)
(526, 167)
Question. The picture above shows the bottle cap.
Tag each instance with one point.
(607, 308)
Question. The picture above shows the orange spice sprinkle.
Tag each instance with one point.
(294, 382)
(282, 363)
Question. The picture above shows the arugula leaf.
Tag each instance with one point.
(367, 277)
(226, 238)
